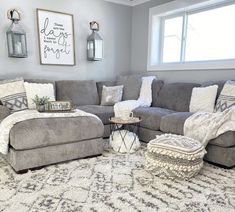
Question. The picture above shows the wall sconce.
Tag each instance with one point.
(16, 36)
(94, 43)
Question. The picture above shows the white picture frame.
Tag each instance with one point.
(56, 38)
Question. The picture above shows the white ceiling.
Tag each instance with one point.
(128, 2)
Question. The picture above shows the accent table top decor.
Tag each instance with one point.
(131, 120)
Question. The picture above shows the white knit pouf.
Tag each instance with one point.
(128, 144)
(174, 156)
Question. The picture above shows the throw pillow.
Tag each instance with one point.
(203, 99)
(40, 89)
(111, 95)
(12, 94)
(226, 98)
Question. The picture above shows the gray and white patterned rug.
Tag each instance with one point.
(113, 182)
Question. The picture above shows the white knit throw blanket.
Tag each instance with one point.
(124, 108)
(204, 126)
(8, 123)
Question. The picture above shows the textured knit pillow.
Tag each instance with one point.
(203, 99)
(12, 94)
(111, 95)
(33, 89)
(226, 98)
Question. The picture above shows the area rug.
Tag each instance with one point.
(114, 182)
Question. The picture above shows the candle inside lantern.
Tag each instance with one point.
(18, 48)
(90, 49)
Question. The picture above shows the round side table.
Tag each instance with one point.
(124, 134)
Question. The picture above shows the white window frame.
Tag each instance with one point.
(176, 8)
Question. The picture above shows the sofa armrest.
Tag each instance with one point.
(4, 112)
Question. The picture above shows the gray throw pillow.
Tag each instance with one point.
(111, 95)
(226, 98)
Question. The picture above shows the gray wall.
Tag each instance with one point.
(139, 51)
(115, 22)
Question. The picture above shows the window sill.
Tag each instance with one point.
(228, 64)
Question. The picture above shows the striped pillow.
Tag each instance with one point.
(12, 94)
(226, 98)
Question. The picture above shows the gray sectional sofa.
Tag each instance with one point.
(167, 114)
(37, 143)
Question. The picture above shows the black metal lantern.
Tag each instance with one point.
(16, 36)
(94, 44)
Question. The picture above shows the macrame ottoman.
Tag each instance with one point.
(174, 156)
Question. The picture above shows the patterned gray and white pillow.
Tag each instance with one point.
(111, 95)
(227, 97)
(13, 95)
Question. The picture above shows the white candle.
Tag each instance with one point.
(90, 49)
(18, 48)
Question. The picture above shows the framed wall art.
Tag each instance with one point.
(56, 38)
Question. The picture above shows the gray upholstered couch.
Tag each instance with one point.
(167, 114)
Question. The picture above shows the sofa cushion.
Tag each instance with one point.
(175, 96)
(100, 87)
(37, 133)
(78, 92)
(174, 123)
(132, 85)
(151, 116)
(27, 159)
(103, 112)
(156, 87)
(225, 140)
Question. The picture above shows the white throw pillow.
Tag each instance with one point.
(203, 99)
(40, 89)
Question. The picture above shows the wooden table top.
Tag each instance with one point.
(119, 120)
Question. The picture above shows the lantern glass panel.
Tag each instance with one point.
(18, 48)
(98, 49)
(10, 44)
(90, 49)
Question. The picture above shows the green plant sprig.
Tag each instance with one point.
(40, 101)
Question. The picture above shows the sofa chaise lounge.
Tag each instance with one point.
(39, 142)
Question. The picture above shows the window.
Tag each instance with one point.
(211, 35)
(198, 36)
(172, 39)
